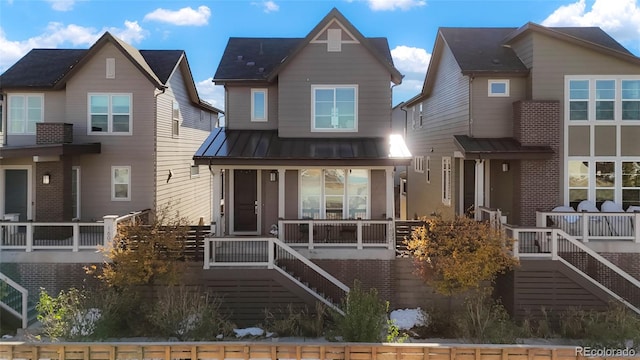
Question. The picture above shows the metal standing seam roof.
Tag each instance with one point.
(225, 146)
(500, 148)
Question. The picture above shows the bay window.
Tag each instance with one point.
(334, 108)
(334, 193)
(24, 111)
(109, 114)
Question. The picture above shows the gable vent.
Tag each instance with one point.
(334, 40)
(111, 68)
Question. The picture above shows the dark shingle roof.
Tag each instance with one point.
(43, 68)
(594, 35)
(482, 50)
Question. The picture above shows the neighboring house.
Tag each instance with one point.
(108, 130)
(525, 120)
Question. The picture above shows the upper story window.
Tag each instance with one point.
(446, 180)
(175, 119)
(121, 183)
(603, 98)
(334, 108)
(110, 114)
(498, 87)
(421, 115)
(24, 111)
(258, 104)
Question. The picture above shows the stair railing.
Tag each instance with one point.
(13, 298)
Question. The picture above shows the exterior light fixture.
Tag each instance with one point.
(273, 176)
(505, 166)
(46, 178)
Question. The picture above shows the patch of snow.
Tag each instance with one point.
(254, 331)
(85, 323)
(6, 337)
(405, 319)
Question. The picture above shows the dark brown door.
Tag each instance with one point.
(245, 204)
(469, 185)
(15, 193)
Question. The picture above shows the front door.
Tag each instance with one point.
(245, 204)
(15, 192)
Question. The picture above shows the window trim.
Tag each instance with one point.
(175, 118)
(113, 183)
(498, 81)
(418, 164)
(334, 87)
(446, 180)
(191, 172)
(109, 131)
(8, 111)
(254, 118)
(428, 169)
(345, 204)
(591, 101)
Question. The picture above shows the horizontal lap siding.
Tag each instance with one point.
(446, 113)
(315, 66)
(493, 116)
(238, 115)
(189, 196)
(136, 150)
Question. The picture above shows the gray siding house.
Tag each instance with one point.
(103, 131)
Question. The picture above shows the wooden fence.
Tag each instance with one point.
(282, 351)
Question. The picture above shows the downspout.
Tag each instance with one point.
(155, 146)
(470, 105)
(406, 167)
(391, 104)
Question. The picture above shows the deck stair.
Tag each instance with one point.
(15, 300)
(403, 230)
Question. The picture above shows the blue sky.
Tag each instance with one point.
(202, 28)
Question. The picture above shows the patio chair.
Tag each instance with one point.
(597, 225)
(617, 225)
(570, 224)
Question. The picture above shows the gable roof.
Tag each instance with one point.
(262, 59)
(51, 68)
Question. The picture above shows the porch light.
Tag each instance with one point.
(273, 176)
(46, 178)
(505, 166)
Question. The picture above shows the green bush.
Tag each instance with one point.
(296, 323)
(484, 320)
(610, 328)
(365, 316)
(122, 313)
(66, 315)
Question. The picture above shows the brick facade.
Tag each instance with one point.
(53, 200)
(51, 277)
(537, 123)
(54, 133)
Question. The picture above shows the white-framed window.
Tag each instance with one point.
(603, 98)
(498, 88)
(109, 114)
(630, 183)
(630, 99)
(195, 171)
(23, 112)
(418, 164)
(598, 180)
(421, 116)
(75, 192)
(175, 118)
(334, 193)
(427, 169)
(334, 108)
(121, 183)
(259, 109)
(446, 180)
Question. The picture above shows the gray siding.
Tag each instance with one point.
(238, 116)
(315, 66)
(189, 195)
(493, 116)
(446, 113)
(54, 111)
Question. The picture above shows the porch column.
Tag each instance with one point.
(217, 197)
(479, 187)
(390, 194)
(281, 190)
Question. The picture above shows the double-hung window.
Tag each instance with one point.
(334, 193)
(446, 180)
(334, 107)
(605, 99)
(24, 111)
(258, 104)
(121, 183)
(579, 99)
(630, 99)
(110, 114)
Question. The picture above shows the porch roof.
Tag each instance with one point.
(265, 147)
(500, 148)
(49, 150)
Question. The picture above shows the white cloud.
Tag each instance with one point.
(619, 18)
(410, 59)
(58, 35)
(382, 5)
(267, 6)
(211, 93)
(184, 17)
(62, 5)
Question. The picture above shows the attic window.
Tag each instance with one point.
(111, 68)
(334, 37)
(498, 87)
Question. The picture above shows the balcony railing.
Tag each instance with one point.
(590, 226)
(358, 234)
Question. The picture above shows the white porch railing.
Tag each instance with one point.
(272, 253)
(493, 216)
(358, 234)
(556, 244)
(13, 298)
(590, 226)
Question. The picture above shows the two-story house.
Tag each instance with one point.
(525, 120)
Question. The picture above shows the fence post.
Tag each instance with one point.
(76, 237)
(110, 228)
(516, 243)
(359, 245)
(29, 243)
(310, 231)
(636, 227)
(271, 252)
(554, 244)
(391, 238)
(540, 222)
(585, 227)
(207, 253)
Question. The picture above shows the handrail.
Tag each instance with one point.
(555, 254)
(589, 226)
(23, 315)
(358, 233)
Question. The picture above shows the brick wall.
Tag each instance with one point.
(629, 262)
(53, 200)
(371, 273)
(52, 277)
(54, 133)
(537, 123)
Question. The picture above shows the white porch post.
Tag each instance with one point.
(217, 197)
(390, 194)
(479, 185)
(281, 191)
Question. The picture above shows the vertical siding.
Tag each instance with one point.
(446, 114)
(493, 116)
(315, 66)
(239, 101)
(190, 196)
(136, 150)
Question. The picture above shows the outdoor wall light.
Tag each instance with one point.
(273, 176)
(46, 178)
(505, 166)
